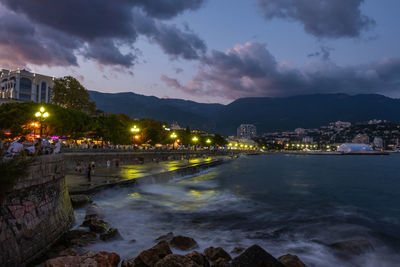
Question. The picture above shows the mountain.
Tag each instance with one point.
(268, 114)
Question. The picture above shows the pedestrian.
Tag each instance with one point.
(108, 163)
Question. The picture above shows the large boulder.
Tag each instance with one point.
(183, 242)
(198, 258)
(291, 261)
(214, 254)
(111, 234)
(149, 257)
(90, 258)
(80, 238)
(167, 237)
(175, 260)
(80, 200)
(221, 262)
(257, 257)
(95, 224)
(353, 247)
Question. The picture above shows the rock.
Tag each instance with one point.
(128, 263)
(353, 247)
(198, 258)
(111, 234)
(80, 200)
(221, 262)
(87, 259)
(213, 254)
(175, 260)
(152, 255)
(291, 261)
(166, 237)
(93, 209)
(95, 224)
(68, 252)
(237, 250)
(79, 238)
(183, 242)
(255, 256)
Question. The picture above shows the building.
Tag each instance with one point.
(246, 131)
(354, 148)
(378, 142)
(22, 85)
(361, 138)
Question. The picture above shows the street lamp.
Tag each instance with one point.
(173, 136)
(135, 129)
(42, 114)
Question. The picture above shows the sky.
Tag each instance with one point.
(208, 50)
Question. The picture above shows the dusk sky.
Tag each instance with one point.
(208, 50)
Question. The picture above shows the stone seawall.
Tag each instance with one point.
(35, 213)
(125, 158)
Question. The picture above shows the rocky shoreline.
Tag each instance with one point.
(69, 250)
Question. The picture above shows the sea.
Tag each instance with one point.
(297, 204)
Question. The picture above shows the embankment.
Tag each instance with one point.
(35, 212)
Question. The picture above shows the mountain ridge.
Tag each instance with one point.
(267, 113)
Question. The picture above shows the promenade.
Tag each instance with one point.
(103, 177)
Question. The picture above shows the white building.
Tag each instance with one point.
(246, 131)
(378, 142)
(354, 148)
(23, 85)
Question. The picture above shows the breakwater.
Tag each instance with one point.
(35, 212)
(126, 158)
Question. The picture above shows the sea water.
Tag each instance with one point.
(294, 204)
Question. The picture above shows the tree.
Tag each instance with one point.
(69, 93)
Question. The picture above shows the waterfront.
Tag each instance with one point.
(285, 203)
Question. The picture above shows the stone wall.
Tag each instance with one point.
(35, 213)
(125, 158)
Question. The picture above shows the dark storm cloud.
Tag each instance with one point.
(97, 29)
(321, 18)
(250, 70)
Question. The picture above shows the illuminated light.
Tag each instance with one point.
(208, 141)
(41, 109)
(45, 115)
(327, 146)
(135, 129)
(137, 136)
(173, 135)
(230, 144)
(38, 114)
(236, 144)
(263, 147)
(241, 145)
(195, 139)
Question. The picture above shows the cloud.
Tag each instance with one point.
(321, 18)
(250, 70)
(324, 53)
(52, 33)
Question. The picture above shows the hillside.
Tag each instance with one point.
(268, 114)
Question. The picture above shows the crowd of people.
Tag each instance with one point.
(38, 146)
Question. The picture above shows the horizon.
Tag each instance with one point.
(170, 50)
(225, 104)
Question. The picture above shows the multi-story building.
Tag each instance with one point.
(247, 131)
(24, 85)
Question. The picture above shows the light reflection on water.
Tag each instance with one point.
(287, 204)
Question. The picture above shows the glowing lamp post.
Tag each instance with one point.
(173, 136)
(195, 139)
(42, 114)
(135, 130)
